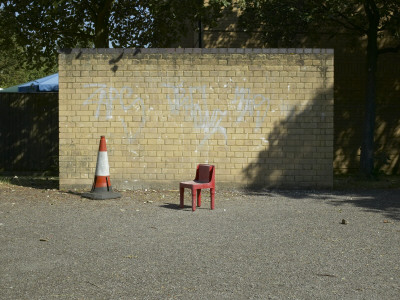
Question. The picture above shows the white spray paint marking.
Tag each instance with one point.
(252, 105)
(104, 95)
(208, 121)
(182, 99)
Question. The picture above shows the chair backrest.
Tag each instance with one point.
(205, 173)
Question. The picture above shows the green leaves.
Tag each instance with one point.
(285, 22)
(43, 27)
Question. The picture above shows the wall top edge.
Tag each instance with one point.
(136, 51)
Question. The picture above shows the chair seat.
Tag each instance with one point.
(194, 183)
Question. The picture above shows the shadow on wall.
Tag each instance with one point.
(350, 71)
(36, 182)
(29, 133)
(227, 33)
(350, 110)
(387, 135)
(299, 149)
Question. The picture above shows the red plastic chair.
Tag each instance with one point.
(205, 179)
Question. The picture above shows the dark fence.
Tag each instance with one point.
(29, 133)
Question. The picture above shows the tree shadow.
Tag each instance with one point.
(299, 158)
(293, 141)
(29, 133)
(227, 34)
(385, 202)
(350, 110)
(299, 148)
(350, 80)
(36, 182)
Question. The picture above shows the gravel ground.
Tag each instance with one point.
(266, 245)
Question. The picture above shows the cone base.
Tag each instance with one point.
(101, 194)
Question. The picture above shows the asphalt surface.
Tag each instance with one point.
(266, 245)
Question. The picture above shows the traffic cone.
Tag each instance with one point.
(101, 188)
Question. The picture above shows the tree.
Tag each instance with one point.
(13, 68)
(44, 26)
(287, 22)
(13, 65)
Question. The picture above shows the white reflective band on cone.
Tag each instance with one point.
(102, 168)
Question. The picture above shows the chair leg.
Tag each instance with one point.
(194, 196)
(212, 193)
(181, 196)
(199, 198)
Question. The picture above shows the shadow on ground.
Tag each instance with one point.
(381, 196)
(384, 201)
(32, 181)
(174, 206)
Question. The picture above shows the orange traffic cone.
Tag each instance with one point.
(101, 188)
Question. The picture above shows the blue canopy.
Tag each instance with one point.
(45, 84)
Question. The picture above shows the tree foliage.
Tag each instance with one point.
(44, 26)
(288, 22)
(14, 67)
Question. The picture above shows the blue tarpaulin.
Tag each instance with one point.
(45, 84)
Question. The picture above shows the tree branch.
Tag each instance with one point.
(344, 21)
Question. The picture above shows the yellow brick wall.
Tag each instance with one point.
(263, 117)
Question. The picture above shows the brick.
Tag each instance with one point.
(176, 128)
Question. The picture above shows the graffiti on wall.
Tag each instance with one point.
(208, 121)
(252, 105)
(191, 100)
(111, 97)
